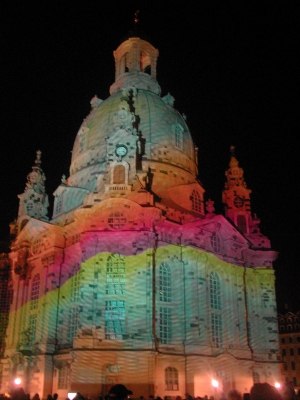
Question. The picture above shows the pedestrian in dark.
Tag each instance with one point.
(19, 394)
(234, 395)
(264, 391)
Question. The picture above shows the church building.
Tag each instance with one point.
(135, 279)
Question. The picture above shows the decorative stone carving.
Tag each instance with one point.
(112, 368)
(95, 102)
(17, 358)
(21, 265)
(124, 119)
(169, 99)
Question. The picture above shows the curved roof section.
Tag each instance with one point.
(151, 118)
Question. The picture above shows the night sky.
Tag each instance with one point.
(231, 67)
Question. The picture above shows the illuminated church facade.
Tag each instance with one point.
(135, 279)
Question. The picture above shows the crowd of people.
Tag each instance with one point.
(259, 391)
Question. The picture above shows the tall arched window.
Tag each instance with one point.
(63, 376)
(165, 289)
(32, 326)
(114, 319)
(165, 325)
(145, 63)
(35, 292)
(115, 275)
(241, 223)
(215, 242)
(171, 379)
(119, 174)
(75, 284)
(215, 291)
(124, 64)
(196, 201)
(216, 307)
(73, 323)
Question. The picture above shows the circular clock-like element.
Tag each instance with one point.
(238, 202)
(121, 150)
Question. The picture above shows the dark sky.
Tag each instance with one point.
(231, 67)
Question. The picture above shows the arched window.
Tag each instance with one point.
(196, 201)
(63, 375)
(171, 379)
(117, 220)
(165, 290)
(124, 64)
(73, 323)
(115, 275)
(241, 223)
(114, 319)
(165, 325)
(215, 291)
(289, 327)
(216, 306)
(215, 242)
(216, 330)
(282, 328)
(145, 63)
(119, 174)
(35, 292)
(75, 283)
(32, 326)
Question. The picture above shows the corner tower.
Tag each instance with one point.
(236, 195)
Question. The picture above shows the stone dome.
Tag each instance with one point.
(154, 133)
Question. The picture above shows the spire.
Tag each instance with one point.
(136, 30)
(36, 178)
(34, 201)
(236, 195)
(136, 61)
(234, 174)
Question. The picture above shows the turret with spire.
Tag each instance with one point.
(34, 201)
(236, 197)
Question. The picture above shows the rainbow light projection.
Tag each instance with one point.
(109, 311)
(131, 281)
